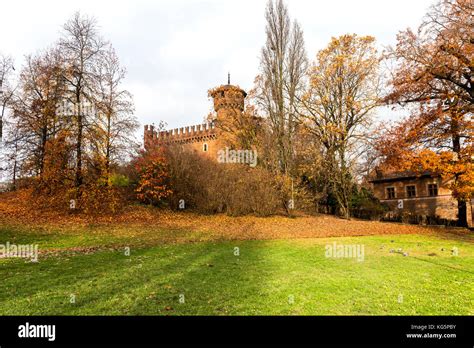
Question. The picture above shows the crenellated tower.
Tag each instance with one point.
(229, 103)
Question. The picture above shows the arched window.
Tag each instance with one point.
(204, 147)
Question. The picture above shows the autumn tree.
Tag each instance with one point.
(13, 154)
(283, 65)
(40, 91)
(434, 78)
(153, 176)
(72, 120)
(58, 174)
(82, 47)
(344, 90)
(114, 123)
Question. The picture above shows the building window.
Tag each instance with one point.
(204, 147)
(411, 191)
(390, 192)
(433, 190)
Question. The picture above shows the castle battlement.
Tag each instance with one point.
(186, 134)
(229, 100)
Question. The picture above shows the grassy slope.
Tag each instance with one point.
(259, 281)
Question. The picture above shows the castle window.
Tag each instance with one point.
(204, 147)
(432, 190)
(390, 192)
(411, 191)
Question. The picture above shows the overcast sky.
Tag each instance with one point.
(175, 50)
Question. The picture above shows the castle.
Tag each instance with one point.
(229, 102)
(425, 196)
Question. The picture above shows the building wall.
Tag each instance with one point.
(191, 137)
(198, 146)
(443, 205)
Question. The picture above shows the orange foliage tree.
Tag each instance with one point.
(337, 108)
(435, 76)
(153, 176)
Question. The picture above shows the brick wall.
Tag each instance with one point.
(443, 205)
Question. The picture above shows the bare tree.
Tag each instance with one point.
(14, 153)
(283, 64)
(6, 90)
(297, 66)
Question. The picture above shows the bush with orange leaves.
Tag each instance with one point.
(153, 179)
(54, 189)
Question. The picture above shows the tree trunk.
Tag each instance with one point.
(15, 168)
(78, 181)
(107, 154)
(462, 213)
(462, 206)
(44, 137)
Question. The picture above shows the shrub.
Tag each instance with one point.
(55, 187)
(57, 176)
(210, 187)
(99, 199)
(153, 177)
(365, 205)
(119, 180)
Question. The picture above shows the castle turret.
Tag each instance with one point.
(229, 101)
(228, 104)
(149, 135)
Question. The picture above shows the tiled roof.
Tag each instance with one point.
(400, 176)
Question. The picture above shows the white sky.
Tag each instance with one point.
(175, 50)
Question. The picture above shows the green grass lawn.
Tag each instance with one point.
(273, 277)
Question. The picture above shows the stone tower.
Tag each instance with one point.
(203, 138)
(229, 101)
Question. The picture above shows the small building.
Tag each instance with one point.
(416, 197)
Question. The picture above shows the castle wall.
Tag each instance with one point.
(183, 135)
(202, 139)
